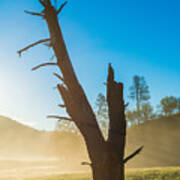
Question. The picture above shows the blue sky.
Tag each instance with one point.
(137, 37)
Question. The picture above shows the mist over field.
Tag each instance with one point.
(108, 105)
(27, 152)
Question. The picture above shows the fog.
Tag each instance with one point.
(26, 152)
(36, 153)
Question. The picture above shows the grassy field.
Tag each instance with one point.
(141, 174)
(154, 174)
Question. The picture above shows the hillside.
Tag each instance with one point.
(19, 142)
(19, 139)
(161, 140)
(159, 137)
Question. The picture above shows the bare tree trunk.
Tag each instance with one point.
(107, 157)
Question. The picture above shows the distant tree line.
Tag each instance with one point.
(138, 92)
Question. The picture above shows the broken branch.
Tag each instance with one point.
(86, 164)
(133, 154)
(62, 105)
(34, 13)
(42, 2)
(32, 45)
(48, 3)
(44, 64)
(60, 118)
(61, 7)
(58, 76)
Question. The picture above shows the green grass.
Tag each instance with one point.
(141, 174)
(154, 174)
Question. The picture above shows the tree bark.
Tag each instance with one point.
(107, 156)
(77, 105)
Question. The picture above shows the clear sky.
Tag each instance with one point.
(137, 37)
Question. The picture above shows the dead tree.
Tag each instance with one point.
(107, 156)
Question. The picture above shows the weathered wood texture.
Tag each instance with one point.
(107, 156)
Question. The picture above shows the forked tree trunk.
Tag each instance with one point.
(107, 156)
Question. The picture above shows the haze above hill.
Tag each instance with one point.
(159, 137)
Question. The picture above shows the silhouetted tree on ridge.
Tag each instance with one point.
(169, 105)
(139, 91)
